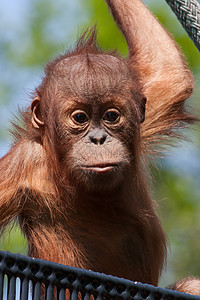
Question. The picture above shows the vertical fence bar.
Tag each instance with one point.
(5, 287)
(74, 294)
(1, 285)
(61, 293)
(11, 288)
(49, 292)
(86, 296)
(37, 290)
(24, 289)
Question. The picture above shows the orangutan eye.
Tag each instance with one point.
(80, 117)
(112, 115)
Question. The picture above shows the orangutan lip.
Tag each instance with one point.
(101, 168)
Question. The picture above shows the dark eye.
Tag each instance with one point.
(80, 117)
(111, 115)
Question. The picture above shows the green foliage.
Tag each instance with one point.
(109, 36)
(13, 240)
(40, 48)
(179, 211)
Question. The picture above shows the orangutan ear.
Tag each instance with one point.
(36, 119)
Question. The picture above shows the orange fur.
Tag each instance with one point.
(190, 285)
(116, 230)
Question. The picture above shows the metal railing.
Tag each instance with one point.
(25, 278)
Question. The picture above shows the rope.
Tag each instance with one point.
(188, 13)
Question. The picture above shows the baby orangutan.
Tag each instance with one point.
(76, 177)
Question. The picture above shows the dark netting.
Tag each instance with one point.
(27, 278)
(188, 13)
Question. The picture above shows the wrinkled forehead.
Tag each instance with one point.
(91, 75)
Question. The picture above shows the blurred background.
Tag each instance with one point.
(34, 32)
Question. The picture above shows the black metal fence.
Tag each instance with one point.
(25, 278)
